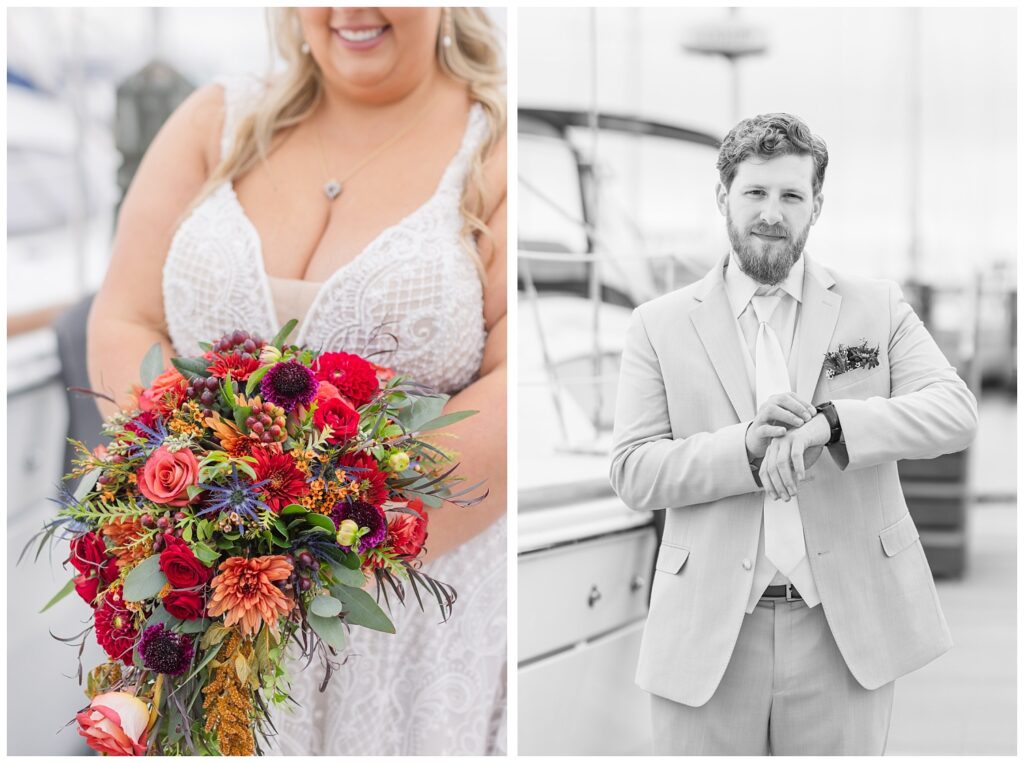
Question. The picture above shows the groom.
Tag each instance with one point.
(764, 409)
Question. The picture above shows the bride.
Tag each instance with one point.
(361, 189)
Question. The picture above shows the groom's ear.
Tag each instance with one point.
(722, 198)
(817, 203)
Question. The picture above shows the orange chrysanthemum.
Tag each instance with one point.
(245, 590)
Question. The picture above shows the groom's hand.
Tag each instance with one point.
(778, 414)
(789, 456)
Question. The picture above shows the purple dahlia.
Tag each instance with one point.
(164, 651)
(289, 384)
(365, 515)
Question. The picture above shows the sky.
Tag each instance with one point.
(856, 76)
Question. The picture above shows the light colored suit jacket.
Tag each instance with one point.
(684, 402)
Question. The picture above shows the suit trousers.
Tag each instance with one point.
(786, 691)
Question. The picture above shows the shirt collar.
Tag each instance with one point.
(740, 287)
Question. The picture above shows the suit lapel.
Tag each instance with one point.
(820, 313)
(716, 328)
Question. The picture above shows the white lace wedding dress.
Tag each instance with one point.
(434, 688)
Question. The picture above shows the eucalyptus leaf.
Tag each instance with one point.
(87, 483)
(191, 368)
(422, 410)
(152, 364)
(68, 588)
(199, 625)
(325, 606)
(346, 576)
(145, 581)
(361, 609)
(443, 421)
(329, 629)
(161, 615)
(294, 508)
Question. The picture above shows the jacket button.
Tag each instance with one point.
(746, 564)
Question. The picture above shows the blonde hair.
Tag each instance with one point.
(474, 57)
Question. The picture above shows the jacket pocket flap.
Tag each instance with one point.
(898, 536)
(671, 558)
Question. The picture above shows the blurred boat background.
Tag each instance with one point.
(87, 89)
(620, 115)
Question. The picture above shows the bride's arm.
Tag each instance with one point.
(127, 316)
(482, 439)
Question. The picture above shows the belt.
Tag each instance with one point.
(787, 592)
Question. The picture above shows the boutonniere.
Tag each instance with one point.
(850, 358)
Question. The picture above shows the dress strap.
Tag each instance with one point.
(476, 132)
(241, 93)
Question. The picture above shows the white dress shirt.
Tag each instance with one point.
(784, 321)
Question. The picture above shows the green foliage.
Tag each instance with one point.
(145, 580)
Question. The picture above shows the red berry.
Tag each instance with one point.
(179, 516)
(249, 345)
(147, 520)
(257, 428)
(238, 337)
(163, 523)
(207, 397)
(305, 584)
(306, 559)
(249, 422)
(275, 431)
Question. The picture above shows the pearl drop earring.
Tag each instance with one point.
(446, 40)
(305, 48)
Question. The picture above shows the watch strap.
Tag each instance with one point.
(835, 428)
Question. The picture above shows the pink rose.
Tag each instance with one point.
(166, 476)
(115, 724)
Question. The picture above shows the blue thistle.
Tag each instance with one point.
(237, 495)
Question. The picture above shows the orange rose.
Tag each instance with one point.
(115, 724)
(166, 476)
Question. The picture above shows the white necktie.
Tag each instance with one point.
(783, 530)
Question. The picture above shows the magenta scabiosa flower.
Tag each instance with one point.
(164, 651)
(289, 384)
(365, 515)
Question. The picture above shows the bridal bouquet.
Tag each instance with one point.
(245, 501)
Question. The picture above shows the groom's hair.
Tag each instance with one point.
(767, 136)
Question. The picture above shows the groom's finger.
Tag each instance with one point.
(797, 458)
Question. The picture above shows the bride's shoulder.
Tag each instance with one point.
(216, 105)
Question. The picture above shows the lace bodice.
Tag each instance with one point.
(432, 688)
(413, 294)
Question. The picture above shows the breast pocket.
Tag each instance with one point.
(860, 382)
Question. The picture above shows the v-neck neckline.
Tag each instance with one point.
(363, 253)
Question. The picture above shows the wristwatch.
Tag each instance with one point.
(832, 418)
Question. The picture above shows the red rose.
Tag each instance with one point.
(180, 565)
(167, 475)
(340, 416)
(354, 377)
(88, 553)
(407, 532)
(87, 588)
(185, 605)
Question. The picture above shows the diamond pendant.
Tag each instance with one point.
(332, 188)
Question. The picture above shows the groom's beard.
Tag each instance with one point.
(765, 262)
